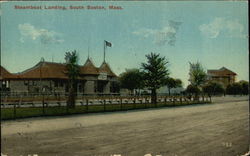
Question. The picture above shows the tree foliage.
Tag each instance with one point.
(244, 87)
(233, 89)
(172, 83)
(131, 79)
(72, 70)
(71, 59)
(197, 74)
(192, 89)
(155, 72)
(213, 88)
(238, 88)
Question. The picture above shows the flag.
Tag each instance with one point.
(108, 43)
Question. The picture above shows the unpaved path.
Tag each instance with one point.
(212, 129)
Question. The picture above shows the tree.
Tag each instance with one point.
(131, 79)
(197, 75)
(234, 89)
(172, 83)
(72, 71)
(213, 88)
(191, 89)
(244, 87)
(241, 87)
(155, 73)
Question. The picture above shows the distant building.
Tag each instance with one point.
(222, 75)
(50, 77)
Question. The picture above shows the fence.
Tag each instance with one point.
(55, 94)
(48, 105)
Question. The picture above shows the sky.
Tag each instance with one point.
(215, 33)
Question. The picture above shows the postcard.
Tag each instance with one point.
(124, 78)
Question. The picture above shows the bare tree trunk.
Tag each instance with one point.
(71, 97)
(153, 97)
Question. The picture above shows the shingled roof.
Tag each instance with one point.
(45, 70)
(5, 74)
(51, 70)
(105, 68)
(89, 68)
(220, 72)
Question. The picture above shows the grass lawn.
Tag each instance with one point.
(10, 113)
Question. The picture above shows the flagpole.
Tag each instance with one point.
(88, 48)
(104, 50)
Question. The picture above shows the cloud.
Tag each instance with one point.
(165, 35)
(231, 27)
(144, 32)
(43, 35)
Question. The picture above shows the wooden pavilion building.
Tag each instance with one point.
(51, 78)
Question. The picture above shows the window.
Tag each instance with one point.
(29, 83)
(26, 83)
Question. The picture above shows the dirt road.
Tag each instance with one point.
(212, 129)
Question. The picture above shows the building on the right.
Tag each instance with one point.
(222, 75)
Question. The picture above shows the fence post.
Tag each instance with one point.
(134, 101)
(104, 105)
(43, 105)
(87, 105)
(67, 109)
(47, 103)
(59, 99)
(156, 101)
(20, 101)
(67, 106)
(14, 110)
(121, 102)
(110, 103)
